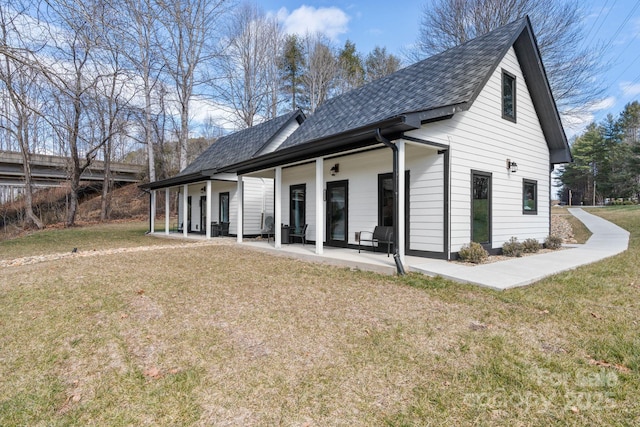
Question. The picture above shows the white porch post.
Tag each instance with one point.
(319, 205)
(401, 200)
(185, 207)
(152, 214)
(278, 208)
(167, 210)
(207, 224)
(240, 209)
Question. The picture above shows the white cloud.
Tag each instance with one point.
(630, 89)
(603, 104)
(574, 123)
(330, 21)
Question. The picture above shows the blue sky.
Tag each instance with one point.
(394, 25)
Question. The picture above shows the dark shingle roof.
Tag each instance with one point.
(453, 77)
(239, 146)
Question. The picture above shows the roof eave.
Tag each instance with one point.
(299, 117)
(331, 144)
(537, 82)
(174, 181)
(560, 156)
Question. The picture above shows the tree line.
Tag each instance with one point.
(93, 79)
(606, 161)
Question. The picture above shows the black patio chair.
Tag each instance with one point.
(221, 229)
(300, 233)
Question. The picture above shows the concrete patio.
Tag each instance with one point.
(607, 240)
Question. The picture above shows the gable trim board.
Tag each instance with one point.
(446, 112)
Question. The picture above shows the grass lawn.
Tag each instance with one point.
(222, 335)
(103, 236)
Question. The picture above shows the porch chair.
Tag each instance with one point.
(381, 234)
(221, 229)
(269, 228)
(301, 233)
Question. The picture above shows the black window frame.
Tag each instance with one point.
(527, 183)
(507, 75)
(293, 188)
(489, 176)
(381, 195)
(221, 212)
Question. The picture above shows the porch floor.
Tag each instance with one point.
(607, 240)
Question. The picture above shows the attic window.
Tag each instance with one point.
(508, 96)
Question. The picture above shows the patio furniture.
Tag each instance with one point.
(284, 234)
(269, 227)
(381, 234)
(301, 233)
(221, 229)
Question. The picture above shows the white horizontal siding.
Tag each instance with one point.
(257, 203)
(258, 199)
(426, 198)
(280, 138)
(303, 174)
(480, 139)
(361, 170)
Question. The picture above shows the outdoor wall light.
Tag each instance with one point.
(335, 169)
(512, 166)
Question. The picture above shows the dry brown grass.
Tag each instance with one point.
(222, 335)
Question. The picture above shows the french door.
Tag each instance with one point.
(481, 208)
(337, 213)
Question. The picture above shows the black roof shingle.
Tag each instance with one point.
(450, 78)
(239, 146)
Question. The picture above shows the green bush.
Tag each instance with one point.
(530, 246)
(473, 252)
(553, 241)
(512, 248)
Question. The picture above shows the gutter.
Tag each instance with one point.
(396, 202)
(323, 146)
(149, 193)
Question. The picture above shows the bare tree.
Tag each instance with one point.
(19, 84)
(320, 73)
(111, 101)
(188, 42)
(379, 64)
(75, 38)
(140, 33)
(248, 62)
(570, 67)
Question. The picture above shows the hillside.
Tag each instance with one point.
(128, 203)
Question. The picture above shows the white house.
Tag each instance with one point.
(212, 195)
(468, 136)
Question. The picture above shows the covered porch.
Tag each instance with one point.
(339, 196)
(209, 207)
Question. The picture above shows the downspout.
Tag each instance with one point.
(396, 205)
(149, 193)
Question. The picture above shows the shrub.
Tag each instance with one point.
(530, 246)
(473, 252)
(512, 248)
(553, 241)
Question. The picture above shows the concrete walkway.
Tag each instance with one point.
(607, 240)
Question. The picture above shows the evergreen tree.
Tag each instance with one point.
(351, 68)
(629, 122)
(292, 66)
